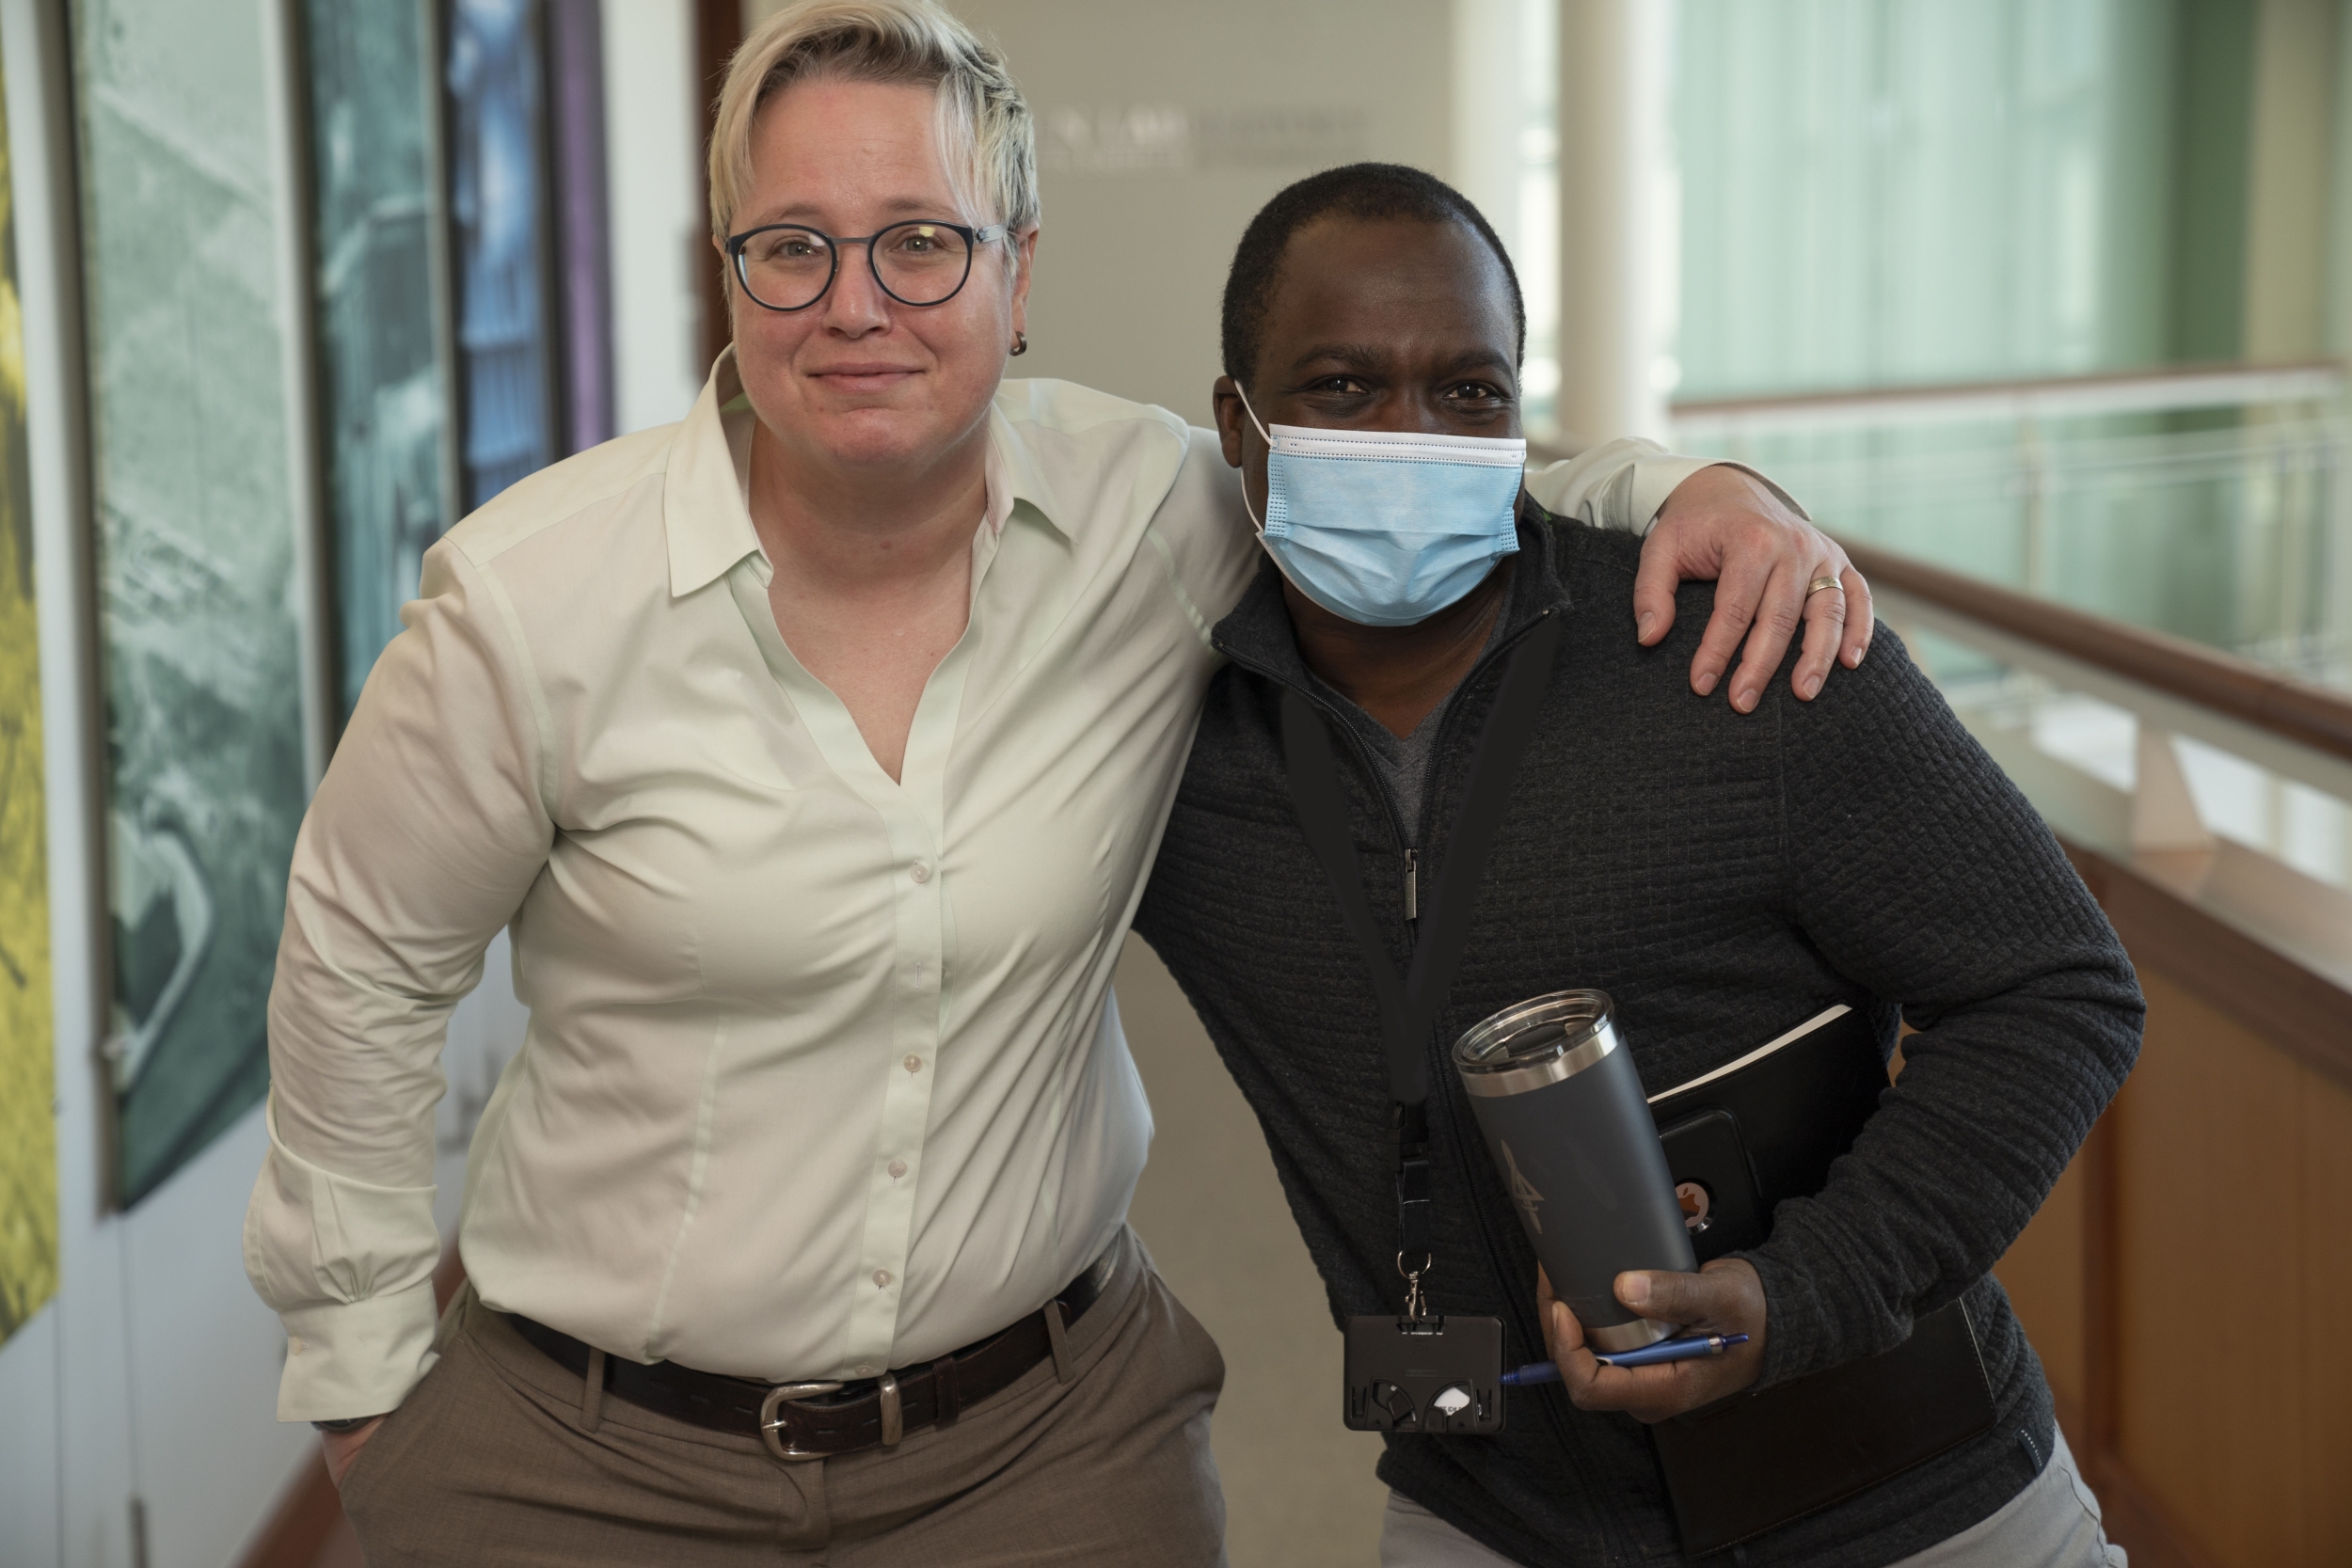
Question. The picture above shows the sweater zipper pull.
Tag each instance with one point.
(1412, 884)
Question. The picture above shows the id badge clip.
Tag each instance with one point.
(1418, 1373)
(1433, 1376)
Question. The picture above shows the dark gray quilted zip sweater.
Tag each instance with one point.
(1723, 878)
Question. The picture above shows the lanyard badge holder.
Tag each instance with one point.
(1422, 1371)
(1419, 1371)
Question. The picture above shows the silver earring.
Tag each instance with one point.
(1020, 343)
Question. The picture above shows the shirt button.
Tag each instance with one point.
(881, 1277)
(914, 1063)
(897, 1169)
(863, 1370)
(920, 872)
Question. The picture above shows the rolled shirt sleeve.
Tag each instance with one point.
(1621, 485)
(428, 830)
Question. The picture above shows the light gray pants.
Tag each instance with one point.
(2054, 1523)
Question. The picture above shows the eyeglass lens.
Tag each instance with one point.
(918, 263)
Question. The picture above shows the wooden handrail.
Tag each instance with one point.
(2245, 971)
(2266, 699)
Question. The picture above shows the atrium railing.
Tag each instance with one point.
(2210, 501)
(2168, 389)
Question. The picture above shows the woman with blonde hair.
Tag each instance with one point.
(813, 750)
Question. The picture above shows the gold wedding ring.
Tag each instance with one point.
(1820, 583)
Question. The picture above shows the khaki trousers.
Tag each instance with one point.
(499, 1457)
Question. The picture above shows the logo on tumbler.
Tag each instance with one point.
(1523, 1192)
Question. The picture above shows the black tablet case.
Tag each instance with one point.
(1764, 1129)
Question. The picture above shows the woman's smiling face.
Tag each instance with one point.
(858, 379)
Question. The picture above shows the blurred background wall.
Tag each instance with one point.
(1163, 128)
(2050, 293)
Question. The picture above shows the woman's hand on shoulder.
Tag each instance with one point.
(1723, 523)
(1724, 1297)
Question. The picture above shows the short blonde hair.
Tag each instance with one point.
(987, 137)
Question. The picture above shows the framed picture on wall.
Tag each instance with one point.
(502, 208)
(583, 263)
(459, 276)
(456, 346)
(380, 292)
(202, 599)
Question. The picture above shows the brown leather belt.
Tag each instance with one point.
(819, 1420)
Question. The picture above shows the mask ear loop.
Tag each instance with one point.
(1244, 472)
(1245, 492)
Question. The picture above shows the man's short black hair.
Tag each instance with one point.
(1354, 191)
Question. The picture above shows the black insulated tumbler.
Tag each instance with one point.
(1556, 1095)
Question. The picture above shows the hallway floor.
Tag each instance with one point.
(1299, 1490)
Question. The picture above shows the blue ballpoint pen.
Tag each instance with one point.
(1647, 1356)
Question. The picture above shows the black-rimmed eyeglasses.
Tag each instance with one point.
(789, 266)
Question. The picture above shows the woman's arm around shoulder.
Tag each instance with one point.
(1709, 521)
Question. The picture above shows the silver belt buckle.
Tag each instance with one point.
(771, 1422)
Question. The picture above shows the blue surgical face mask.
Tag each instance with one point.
(1386, 528)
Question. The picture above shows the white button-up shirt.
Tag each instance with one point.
(823, 1074)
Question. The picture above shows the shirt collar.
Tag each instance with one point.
(708, 519)
(1015, 470)
(709, 527)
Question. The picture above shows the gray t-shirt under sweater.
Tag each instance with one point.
(1402, 762)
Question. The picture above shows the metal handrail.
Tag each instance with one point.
(2171, 388)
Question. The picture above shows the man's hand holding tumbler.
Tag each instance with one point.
(1563, 1111)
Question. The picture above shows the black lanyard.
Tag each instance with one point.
(1409, 1007)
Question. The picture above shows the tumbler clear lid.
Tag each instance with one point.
(1538, 1041)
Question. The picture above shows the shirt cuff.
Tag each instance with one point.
(1622, 484)
(356, 1358)
(1657, 478)
(348, 1265)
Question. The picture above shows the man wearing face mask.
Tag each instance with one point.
(1718, 876)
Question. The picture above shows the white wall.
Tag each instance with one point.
(1164, 128)
(658, 217)
(1504, 156)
